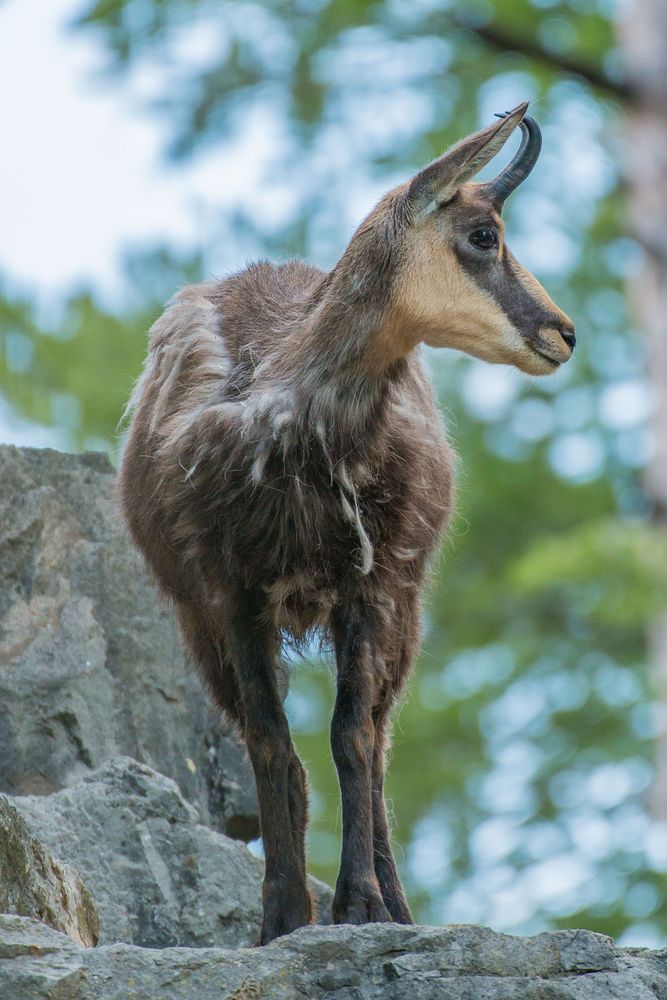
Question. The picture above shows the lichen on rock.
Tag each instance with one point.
(34, 884)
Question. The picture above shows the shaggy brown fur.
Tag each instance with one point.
(286, 471)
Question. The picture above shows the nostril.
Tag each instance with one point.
(568, 336)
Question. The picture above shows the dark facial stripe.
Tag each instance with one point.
(502, 280)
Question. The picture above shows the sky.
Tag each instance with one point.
(83, 173)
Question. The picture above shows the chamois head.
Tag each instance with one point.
(454, 281)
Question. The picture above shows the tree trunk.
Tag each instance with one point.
(643, 37)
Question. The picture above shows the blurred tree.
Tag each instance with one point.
(644, 39)
(77, 375)
(524, 751)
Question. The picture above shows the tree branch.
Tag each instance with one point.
(504, 41)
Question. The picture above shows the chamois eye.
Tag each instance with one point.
(485, 239)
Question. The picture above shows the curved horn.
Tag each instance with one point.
(522, 163)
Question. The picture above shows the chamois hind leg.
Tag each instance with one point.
(207, 652)
(279, 777)
(242, 680)
(397, 667)
(358, 899)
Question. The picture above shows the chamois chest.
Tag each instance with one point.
(275, 467)
(307, 513)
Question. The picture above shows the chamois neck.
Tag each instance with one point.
(319, 382)
(341, 358)
(344, 330)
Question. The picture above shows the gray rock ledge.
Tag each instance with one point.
(343, 963)
(91, 664)
(158, 877)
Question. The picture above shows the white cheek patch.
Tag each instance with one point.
(510, 339)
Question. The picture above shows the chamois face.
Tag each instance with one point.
(458, 284)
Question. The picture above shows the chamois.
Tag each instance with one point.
(286, 473)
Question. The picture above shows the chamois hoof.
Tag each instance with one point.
(284, 912)
(359, 903)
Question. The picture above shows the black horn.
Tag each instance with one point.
(522, 163)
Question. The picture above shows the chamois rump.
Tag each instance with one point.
(286, 471)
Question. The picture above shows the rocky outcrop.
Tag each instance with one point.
(34, 884)
(158, 877)
(91, 665)
(91, 668)
(375, 962)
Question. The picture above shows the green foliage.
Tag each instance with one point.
(617, 571)
(531, 690)
(295, 47)
(77, 375)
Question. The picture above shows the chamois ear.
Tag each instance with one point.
(440, 180)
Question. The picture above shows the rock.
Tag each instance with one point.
(377, 961)
(91, 665)
(157, 876)
(34, 884)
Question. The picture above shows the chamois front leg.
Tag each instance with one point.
(399, 659)
(279, 777)
(358, 899)
(393, 893)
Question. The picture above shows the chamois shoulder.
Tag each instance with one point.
(263, 281)
(263, 301)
